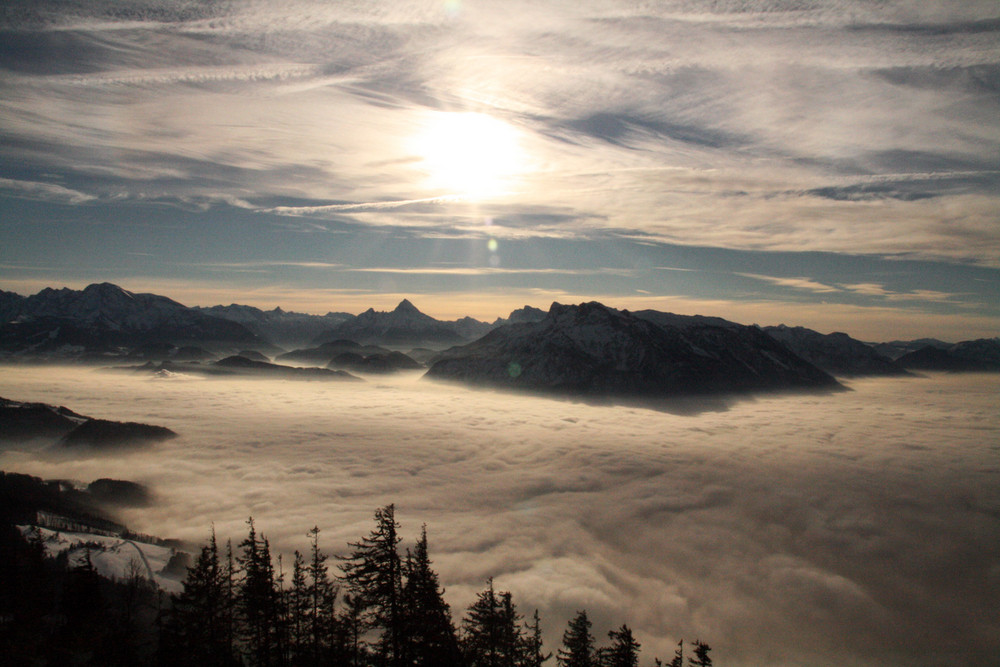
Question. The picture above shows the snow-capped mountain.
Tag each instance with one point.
(524, 314)
(970, 355)
(106, 319)
(400, 328)
(285, 328)
(836, 353)
(591, 349)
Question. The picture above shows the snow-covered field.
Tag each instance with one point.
(859, 528)
(111, 556)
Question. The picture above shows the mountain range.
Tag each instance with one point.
(106, 324)
(593, 350)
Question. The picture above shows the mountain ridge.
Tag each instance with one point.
(593, 350)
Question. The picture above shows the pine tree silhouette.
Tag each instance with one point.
(577, 643)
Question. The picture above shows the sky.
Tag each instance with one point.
(858, 528)
(828, 164)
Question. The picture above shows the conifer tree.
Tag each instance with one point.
(258, 600)
(197, 632)
(83, 606)
(373, 574)
(430, 634)
(512, 642)
(322, 595)
(678, 660)
(533, 655)
(578, 644)
(298, 612)
(701, 657)
(623, 651)
(492, 634)
(481, 629)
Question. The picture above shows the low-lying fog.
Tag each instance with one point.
(858, 528)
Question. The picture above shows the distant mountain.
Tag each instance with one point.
(374, 363)
(322, 354)
(525, 314)
(836, 353)
(20, 421)
(469, 328)
(236, 365)
(284, 328)
(104, 319)
(895, 349)
(10, 306)
(971, 355)
(241, 365)
(404, 327)
(593, 350)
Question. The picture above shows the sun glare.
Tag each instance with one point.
(468, 154)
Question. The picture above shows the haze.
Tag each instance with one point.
(858, 528)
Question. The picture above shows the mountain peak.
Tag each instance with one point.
(406, 307)
(106, 289)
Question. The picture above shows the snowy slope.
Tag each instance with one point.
(113, 557)
(595, 350)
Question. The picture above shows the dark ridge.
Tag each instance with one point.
(101, 433)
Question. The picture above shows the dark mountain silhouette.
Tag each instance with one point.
(374, 363)
(594, 350)
(285, 328)
(836, 353)
(524, 314)
(104, 434)
(25, 421)
(895, 349)
(968, 356)
(322, 354)
(105, 320)
(404, 327)
(21, 421)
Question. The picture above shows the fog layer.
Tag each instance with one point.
(859, 528)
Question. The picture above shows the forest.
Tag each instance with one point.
(377, 606)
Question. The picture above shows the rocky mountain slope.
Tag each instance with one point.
(982, 355)
(106, 320)
(836, 353)
(284, 328)
(403, 327)
(591, 349)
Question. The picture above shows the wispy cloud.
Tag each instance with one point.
(794, 283)
(873, 289)
(359, 207)
(490, 270)
(44, 191)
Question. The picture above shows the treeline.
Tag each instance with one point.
(384, 607)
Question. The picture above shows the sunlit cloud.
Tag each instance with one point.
(763, 128)
(795, 283)
(44, 191)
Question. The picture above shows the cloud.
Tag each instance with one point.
(873, 289)
(44, 191)
(358, 207)
(490, 270)
(805, 528)
(795, 283)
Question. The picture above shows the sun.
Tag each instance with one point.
(468, 154)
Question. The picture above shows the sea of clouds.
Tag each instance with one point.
(859, 528)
